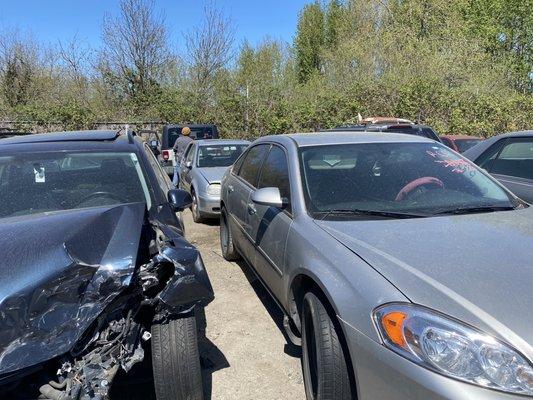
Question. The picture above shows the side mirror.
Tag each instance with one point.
(269, 196)
(179, 199)
(188, 164)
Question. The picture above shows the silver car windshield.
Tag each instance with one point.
(33, 183)
(417, 179)
(219, 155)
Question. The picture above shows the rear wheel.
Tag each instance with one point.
(226, 239)
(176, 360)
(196, 213)
(326, 375)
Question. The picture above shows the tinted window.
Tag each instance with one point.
(42, 182)
(252, 163)
(515, 159)
(196, 133)
(275, 173)
(422, 178)
(464, 144)
(162, 179)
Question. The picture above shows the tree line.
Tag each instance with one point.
(462, 66)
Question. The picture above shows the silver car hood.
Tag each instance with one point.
(477, 268)
(214, 174)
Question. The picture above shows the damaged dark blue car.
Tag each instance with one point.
(93, 264)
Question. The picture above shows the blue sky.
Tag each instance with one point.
(53, 20)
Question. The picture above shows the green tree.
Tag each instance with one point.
(310, 39)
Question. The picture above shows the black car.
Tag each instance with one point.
(410, 129)
(171, 133)
(509, 157)
(94, 264)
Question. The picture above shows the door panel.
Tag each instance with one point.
(268, 227)
(240, 187)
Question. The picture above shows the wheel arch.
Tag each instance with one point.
(303, 283)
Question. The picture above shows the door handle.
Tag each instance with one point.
(251, 209)
(230, 189)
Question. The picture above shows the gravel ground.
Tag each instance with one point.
(251, 357)
(246, 354)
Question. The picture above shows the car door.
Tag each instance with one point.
(512, 165)
(268, 227)
(242, 182)
(185, 172)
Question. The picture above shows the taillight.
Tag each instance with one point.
(166, 155)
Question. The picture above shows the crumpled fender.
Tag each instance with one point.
(190, 285)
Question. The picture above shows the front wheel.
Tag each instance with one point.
(196, 213)
(326, 375)
(176, 360)
(226, 239)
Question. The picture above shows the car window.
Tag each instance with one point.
(252, 163)
(515, 159)
(190, 154)
(162, 179)
(196, 133)
(42, 182)
(218, 155)
(187, 151)
(465, 144)
(421, 178)
(275, 173)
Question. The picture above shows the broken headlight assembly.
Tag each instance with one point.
(453, 349)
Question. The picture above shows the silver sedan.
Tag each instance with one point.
(404, 270)
(203, 164)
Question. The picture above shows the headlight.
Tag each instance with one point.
(452, 348)
(213, 189)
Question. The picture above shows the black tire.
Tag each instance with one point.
(326, 375)
(226, 239)
(196, 214)
(176, 360)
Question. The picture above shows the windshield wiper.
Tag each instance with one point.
(473, 210)
(377, 213)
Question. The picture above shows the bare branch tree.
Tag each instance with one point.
(136, 44)
(210, 46)
(76, 61)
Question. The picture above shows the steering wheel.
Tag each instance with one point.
(417, 183)
(109, 195)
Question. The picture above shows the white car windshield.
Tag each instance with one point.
(419, 179)
(42, 182)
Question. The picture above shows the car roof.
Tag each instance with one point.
(190, 125)
(73, 140)
(455, 137)
(345, 137)
(67, 136)
(207, 142)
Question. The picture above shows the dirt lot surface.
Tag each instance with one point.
(246, 355)
(246, 344)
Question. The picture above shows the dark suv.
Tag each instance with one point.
(94, 265)
(171, 133)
